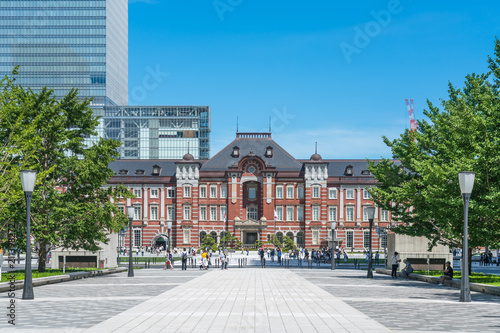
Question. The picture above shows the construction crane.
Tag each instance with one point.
(413, 123)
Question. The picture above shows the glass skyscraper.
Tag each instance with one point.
(159, 132)
(64, 44)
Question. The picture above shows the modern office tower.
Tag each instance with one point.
(64, 44)
(159, 132)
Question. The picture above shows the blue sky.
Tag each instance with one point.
(335, 73)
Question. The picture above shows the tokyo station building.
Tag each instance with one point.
(254, 189)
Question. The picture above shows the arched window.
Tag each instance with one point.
(300, 238)
(290, 234)
(214, 235)
(202, 235)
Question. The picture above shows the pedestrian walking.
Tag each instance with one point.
(168, 261)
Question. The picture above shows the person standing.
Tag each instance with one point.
(377, 258)
(395, 263)
(279, 255)
(204, 259)
(222, 260)
(184, 259)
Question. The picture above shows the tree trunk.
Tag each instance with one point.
(42, 257)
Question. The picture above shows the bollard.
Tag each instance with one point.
(149, 263)
(145, 264)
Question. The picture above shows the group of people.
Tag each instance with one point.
(408, 269)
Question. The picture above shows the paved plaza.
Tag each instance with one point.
(250, 299)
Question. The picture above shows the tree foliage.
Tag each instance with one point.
(421, 188)
(71, 206)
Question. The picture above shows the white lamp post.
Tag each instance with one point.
(130, 214)
(371, 213)
(466, 180)
(169, 226)
(28, 179)
(333, 224)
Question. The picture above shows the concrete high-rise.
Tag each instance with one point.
(64, 44)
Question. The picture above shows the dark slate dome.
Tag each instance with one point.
(188, 157)
(316, 157)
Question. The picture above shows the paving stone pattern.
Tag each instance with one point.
(408, 305)
(83, 303)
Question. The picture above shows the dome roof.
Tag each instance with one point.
(188, 157)
(315, 157)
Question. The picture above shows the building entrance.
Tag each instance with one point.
(161, 242)
(251, 237)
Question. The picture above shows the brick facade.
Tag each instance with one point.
(250, 181)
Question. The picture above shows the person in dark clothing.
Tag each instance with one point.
(448, 273)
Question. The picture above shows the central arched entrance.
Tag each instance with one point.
(160, 240)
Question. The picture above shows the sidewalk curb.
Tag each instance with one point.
(19, 284)
(455, 283)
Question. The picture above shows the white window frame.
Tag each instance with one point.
(170, 212)
(203, 213)
(332, 213)
(137, 237)
(186, 210)
(300, 192)
(315, 237)
(289, 213)
(170, 192)
(279, 192)
(253, 209)
(223, 191)
(349, 193)
(366, 194)
(223, 210)
(187, 191)
(384, 215)
(186, 236)
(153, 212)
(203, 191)
(349, 213)
(213, 191)
(315, 213)
(279, 213)
(138, 192)
(153, 193)
(349, 238)
(300, 213)
(289, 192)
(213, 213)
(315, 192)
(332, 193)
(137, 212)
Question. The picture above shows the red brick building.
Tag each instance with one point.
(242, 188)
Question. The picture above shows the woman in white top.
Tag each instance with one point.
(395, 263)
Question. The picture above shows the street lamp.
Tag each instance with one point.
(466, 180)
(333, 224)
(371, 213)
(28, 179)
(169, 226)
(130, 214)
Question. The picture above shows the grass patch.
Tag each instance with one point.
(19, 275)
(491, 279)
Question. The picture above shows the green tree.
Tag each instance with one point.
(209, 242)
(258, 244)
(422, 189)
(227, 239)
(10, 184)
(274, 240)
(288, 244)
(71, 206)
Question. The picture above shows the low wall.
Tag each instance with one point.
(455, 283)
